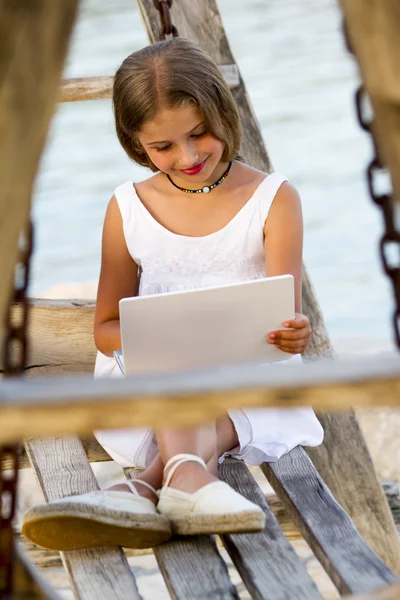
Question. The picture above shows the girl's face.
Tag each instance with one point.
(178, 143)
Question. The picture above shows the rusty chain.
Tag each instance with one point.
(385, 201)
(167, 27)
(14, 360)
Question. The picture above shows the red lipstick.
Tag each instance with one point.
(195, 169)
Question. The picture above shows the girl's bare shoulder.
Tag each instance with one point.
(151, 184)
(248, 174)
(245, 179)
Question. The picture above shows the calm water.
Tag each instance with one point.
(300, 80)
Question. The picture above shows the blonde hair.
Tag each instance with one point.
(171, 74)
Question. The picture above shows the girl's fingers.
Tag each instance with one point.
(298, 322)
(294, 334)
(292, 345)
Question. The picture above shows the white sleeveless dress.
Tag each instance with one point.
(171, 262)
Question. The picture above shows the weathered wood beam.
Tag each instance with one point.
(62, 469)
(80, 404)
(351, 564)
(92, 448)
(61, 337)
(98, 88)
(33, 43)
(374, 29)
(266, 562)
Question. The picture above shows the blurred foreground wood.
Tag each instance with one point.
(374, 31)
(33, 44)
(79, 404)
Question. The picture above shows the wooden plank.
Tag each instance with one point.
(80, 404)
(94, 453)
(61, 337)
(356, 486)
(61, 334)
(348, 560)
(85, 88)
(62, 470)
(184, 561)
(266, 561)
(374, 31)
(33, 43)
(391, 592)
(97, 88)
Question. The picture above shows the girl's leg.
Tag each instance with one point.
(227, 439)
(152, 474)
(208, 442)
(201, 441)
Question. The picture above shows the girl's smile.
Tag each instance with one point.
(195, 169)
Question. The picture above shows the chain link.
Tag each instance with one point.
(390, 240)
(167, 27)
(15, 353)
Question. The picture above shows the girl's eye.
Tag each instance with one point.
(163, 148)
(199, 135)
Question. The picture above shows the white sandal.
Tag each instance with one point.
(98, 518)
(213, 509)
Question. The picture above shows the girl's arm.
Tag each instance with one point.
(118, 279)
(283, 246)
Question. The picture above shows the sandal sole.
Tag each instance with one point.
(74, 531)
(245, 522)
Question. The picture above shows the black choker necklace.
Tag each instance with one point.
(206, 188)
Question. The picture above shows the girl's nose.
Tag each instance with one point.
(188, 156)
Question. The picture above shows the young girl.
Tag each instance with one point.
(204, 218)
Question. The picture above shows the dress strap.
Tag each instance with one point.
(267, 192)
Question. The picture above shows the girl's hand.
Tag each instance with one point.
(295, 339)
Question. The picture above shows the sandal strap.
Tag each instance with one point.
(179, 459)
(130, 482)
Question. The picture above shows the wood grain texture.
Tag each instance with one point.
(61, 337)
(33, 43)
(192, 566)
(85, 88)
(374, 30)
(356, 486)
(94, 453)
(266, 561)
(348, 560)
(62, 469)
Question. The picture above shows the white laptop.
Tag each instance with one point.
(208, 327)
